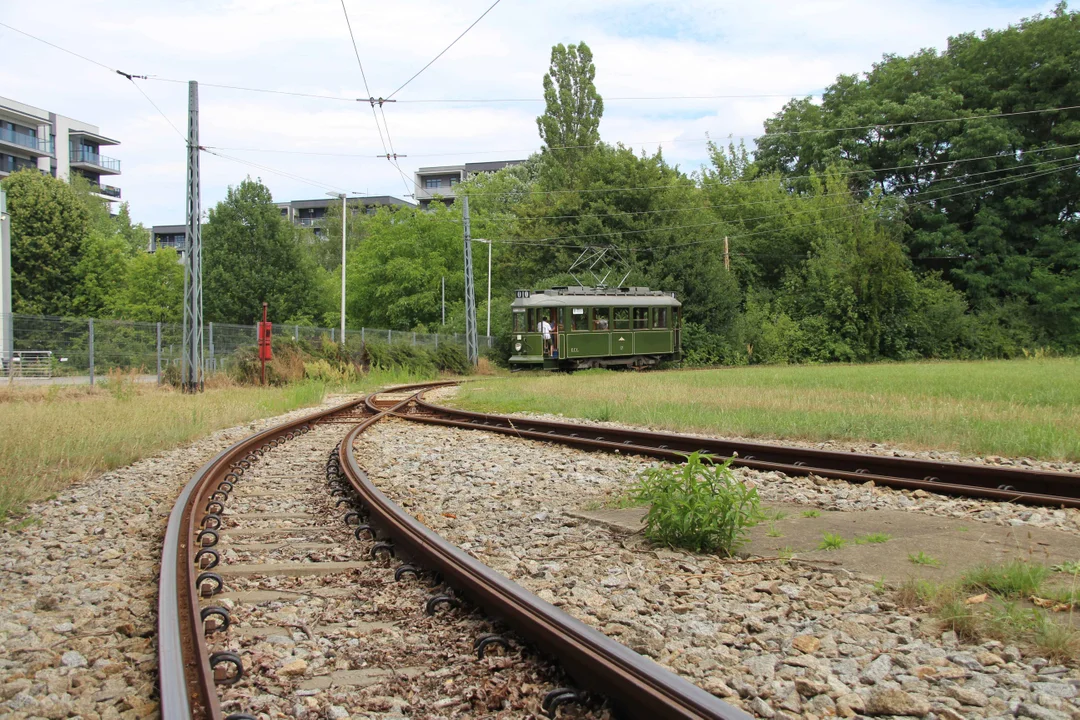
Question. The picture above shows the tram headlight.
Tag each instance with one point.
(517, 347)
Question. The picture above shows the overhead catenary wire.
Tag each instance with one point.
(432, 61)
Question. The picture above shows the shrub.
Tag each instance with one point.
(699, 506)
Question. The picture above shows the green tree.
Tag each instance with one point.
(152, 289)
(394, 276)
(100, 273)
(990, 202)
(49, 225)
(571, 118)
(251, 255)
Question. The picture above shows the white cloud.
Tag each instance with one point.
(642, 48)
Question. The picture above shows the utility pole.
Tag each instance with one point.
(488, 333)
(191, 371)
(7, 335)
(727, 255)
(344, 212)
(471, 349)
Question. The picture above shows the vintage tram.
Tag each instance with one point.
(594, 327)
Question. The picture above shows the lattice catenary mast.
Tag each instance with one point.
(191, 370)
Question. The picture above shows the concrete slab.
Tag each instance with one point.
(289, 569)
(268, 516)
(955, 544)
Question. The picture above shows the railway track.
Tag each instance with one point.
(1035, 487)
(199, 656)
(196, 665)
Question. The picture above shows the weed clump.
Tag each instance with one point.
(699, 506)
(1015, 579)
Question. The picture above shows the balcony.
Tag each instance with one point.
(309, 222)
(86, 159)
(108, 191)
(25, 142)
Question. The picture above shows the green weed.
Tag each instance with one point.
(698, 505)
(873, 539)
(921, 558)
(811, 513)
(773, 532)
(1014, 579)
(1072, 567)
(830, 541)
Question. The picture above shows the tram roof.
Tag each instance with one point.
(595, 297)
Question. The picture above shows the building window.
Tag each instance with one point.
(454, 181)
(432, 182)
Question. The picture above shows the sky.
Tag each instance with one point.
(306, 147)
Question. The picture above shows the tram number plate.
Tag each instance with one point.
(521, 293)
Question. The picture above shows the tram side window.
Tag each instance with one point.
(519, 321)
(622, 318)
(530, 321)
(641, 318)
(579, 319)
(660, 319)
(600, 319)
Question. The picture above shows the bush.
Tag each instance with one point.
(699, 506)
(417, 359)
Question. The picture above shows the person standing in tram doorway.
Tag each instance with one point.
(544, 328)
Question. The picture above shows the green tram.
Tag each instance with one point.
(595, 327)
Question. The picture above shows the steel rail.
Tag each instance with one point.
(185, 678)
(637, 686)
(1036, 487)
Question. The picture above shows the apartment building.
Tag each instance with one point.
(174, 236)
(441, 179)
(312, 213)
(55, 145)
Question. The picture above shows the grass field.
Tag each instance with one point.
(1013, 408)
(51, 437)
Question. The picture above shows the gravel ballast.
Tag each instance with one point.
(779, 639)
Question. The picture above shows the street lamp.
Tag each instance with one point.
(344, 215)
(488, 243)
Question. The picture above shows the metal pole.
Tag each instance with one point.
(159, 353)
(296, 333)
(488, 333)
(191, 377)
(332, 331)
(471, 349)
(344, 213)
(91, 348)
(444, 300)
(7, 320)
(211, 363)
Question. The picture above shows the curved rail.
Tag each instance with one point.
(185, 677)
(636, 685)
(1036, 487)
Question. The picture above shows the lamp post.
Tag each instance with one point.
(344, 215)
(488, 243)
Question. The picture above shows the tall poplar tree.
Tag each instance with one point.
(570, 125)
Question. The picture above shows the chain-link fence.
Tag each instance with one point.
(50, 347)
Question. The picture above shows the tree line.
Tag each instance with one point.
(925, 208)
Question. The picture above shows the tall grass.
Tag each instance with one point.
(52, 437)
(1017, 408)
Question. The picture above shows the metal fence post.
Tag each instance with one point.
(213, 363)
(414, 338)
(159, 353)
(332, 335)
(389, 335)
(361, 336)
(91, 344)
(296, 333)
(436, 341)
